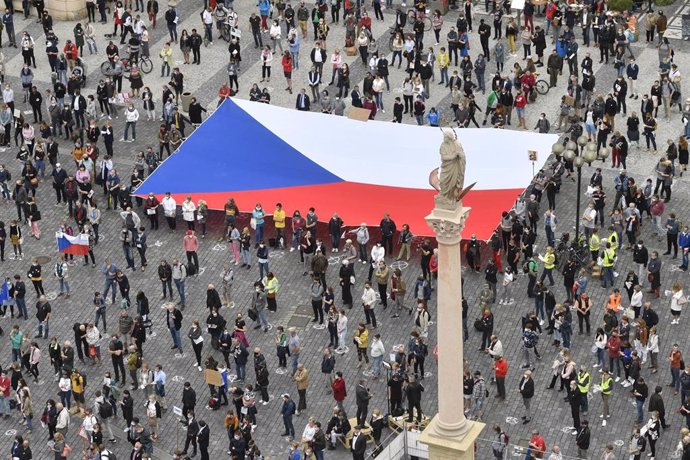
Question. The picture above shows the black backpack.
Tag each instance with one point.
(105, 410)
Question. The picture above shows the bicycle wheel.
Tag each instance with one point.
(225, 33)
(145, 65)
(542, 87)
(105, 67)
(427, 24)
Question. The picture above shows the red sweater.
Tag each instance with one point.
(339, 390)
(501, 368)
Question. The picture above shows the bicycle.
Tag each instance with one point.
(230, 31)
(144, 63)
(412, 16)
(542, 86)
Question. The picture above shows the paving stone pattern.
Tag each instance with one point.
(551, 413)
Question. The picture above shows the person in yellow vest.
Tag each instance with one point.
(584, 380)
(609, 260)
(614, 303)
(613, 238)
(594, 244)
(279, 223)
(606, 388)
(549, 260)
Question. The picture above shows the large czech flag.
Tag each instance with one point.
(259, 153)
(75, 245)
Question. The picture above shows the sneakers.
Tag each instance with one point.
(618, 379)
(603, 422)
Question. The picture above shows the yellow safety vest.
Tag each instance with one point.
(613, 239)
(583, 382)
(606, 384)
(609, 257)
(594, 243)
(549, 260)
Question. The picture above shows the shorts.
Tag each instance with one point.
(287, 74)
(675, 312)
(78, 397)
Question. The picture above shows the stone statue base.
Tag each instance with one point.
(444, 447)
(65, 10)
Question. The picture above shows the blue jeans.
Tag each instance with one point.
(133, 125)
(600, 357)
(263, 267)
(66, 398)
(297, 236)
(295, 60)
(376, 365)
(259, 233)
(64, 285)
(176, 338)
(40, 167)
(43, 329)
(420, 119)
(179, 284)
(109, 284)
(617, 362)
(379, 101)
(21, 307)
(246, 256)
(129, 255)
(289, 428)
(640, 408)
(16, 353)
(295, 360)
(241, 374)
(675, 378)
(539, 307)
(547, 272)
(209, 31)
(261, 316)
(608, 276)
(444, 75)
(5, 405)
(550, 238)
(685, 256)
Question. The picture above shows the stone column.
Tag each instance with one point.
(450, 435)
(70, 10)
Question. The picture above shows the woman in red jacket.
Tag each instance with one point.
(339, 391)
(287, 69)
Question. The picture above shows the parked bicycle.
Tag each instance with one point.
(144, 63)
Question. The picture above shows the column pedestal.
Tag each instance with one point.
(442, 447)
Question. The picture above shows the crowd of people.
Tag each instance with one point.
(89, 190)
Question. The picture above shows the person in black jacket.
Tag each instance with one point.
(303, 103)
(388, 230)
(582, 439)
(362, 397)
(188, 402)
(526, 389)
(202, 439)
(237, 446)
(173, 319)
(358, 445)
(192, 432)
(414, 391)
(194, 111)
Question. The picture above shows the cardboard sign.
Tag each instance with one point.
(212, 377)
(358, 113)
(177, 411)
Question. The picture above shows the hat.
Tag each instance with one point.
(57, 165)
(189, 232)
(285, 395)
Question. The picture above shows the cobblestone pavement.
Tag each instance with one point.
(551, 414)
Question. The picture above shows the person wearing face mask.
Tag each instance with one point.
(131, 115)
(382, 274)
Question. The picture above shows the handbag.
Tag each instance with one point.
(34, 181)
(252, 223)
(36, 216)
(650, 277)
(252, 314)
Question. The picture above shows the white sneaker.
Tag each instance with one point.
(596, 365)
(541, 322)
(200, 369)
(603, 423)
(618, 379)
(500, 302)
(601, 416)
(292, 249)
(336, 249)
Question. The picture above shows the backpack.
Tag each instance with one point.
(105, 410)
(110, 455)
(191, 269)
(139, 362)
(531, 339)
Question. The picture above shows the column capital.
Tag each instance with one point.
(448, 223)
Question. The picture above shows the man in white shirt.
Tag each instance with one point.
(368, 302)
(131, 116)
(207, 18)
(169, 210)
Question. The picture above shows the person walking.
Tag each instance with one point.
(526, 390)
